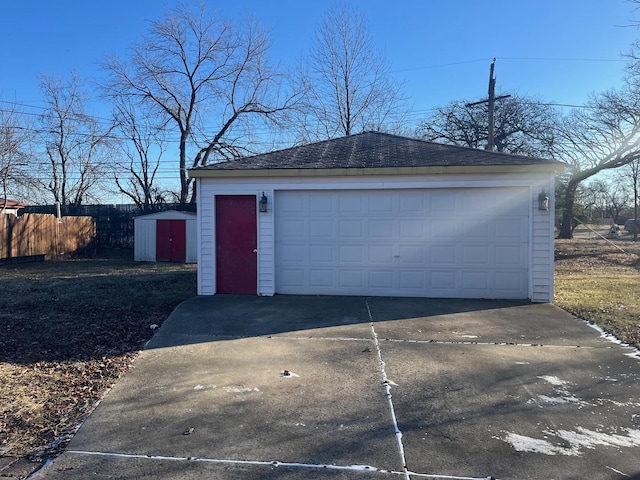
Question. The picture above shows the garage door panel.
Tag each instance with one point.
(477, 255)
(511, 255)
(321, 253)
(475, 201)
(350, 204)
(412, 229)
(413, 280)
(444, 229)
(437, 242)
(443, 282)
(351, 228)
(294, 228)
(412, 202)
(320, 278)
(320, 228)
(351, 279)
(412, 254)
(475, 229)
(380, 229)
(382, 203)
(443, 203)
(350, 254)
(292, 279)
(294, 254)
(508, 282)
(380, 254)
(476, 281)
(381, 279)
(443, 254)
(315, 202)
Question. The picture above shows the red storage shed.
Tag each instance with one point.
(166, 237)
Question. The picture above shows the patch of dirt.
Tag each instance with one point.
(68, 331)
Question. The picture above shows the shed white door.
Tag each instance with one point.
(460, 242)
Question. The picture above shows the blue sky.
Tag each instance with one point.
(558, 50)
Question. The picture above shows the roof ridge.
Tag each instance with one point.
(373, 149)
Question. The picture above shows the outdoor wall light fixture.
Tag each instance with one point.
(263, 203)
(543, 201)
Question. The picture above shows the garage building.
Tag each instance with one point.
(378, 214)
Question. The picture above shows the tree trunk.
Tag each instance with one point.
(184, 179)
(566, 230)
(635, 207)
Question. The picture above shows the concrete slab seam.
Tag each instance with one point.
(265, 463)
(352, 468)
(387, 386)
(496, 344)
(437, 342)
(332, 339)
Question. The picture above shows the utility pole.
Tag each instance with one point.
(492, 106)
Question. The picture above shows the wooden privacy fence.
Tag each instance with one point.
(35, 234)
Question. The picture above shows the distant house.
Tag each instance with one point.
(378, 214)
(11, 207)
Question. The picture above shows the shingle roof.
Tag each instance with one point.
(373, 150)
(11, 204)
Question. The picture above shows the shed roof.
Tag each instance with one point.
(373, 153)
(7, 203)
(167, 215)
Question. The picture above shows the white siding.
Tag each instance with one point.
(540, 230)
(542, 245)
(191, 240)
(266, 248)
(206, 240)
(144, 240)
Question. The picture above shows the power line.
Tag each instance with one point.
(536, 59)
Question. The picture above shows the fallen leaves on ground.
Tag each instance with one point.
(68, 331)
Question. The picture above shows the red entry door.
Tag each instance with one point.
(171, 240)
(236, 244)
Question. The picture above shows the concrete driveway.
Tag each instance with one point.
(288, 387)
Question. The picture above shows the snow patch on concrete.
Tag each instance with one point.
(586, 438)
(237, 389)
(555, 381)
(634, 352)
(573, 442)
(522, 443)
(562, 394)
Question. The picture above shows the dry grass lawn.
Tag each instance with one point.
(68, 331)
(599, 283)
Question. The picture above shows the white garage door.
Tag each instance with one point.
(465, 242)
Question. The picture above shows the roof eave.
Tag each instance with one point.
(332, 172)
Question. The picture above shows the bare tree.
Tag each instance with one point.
(609, 198)
(209, 78)
(14, 158)
(523, 126)
(75, 143)
(142, 147)
(633, 174)
(346, 81)
(603, 136)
